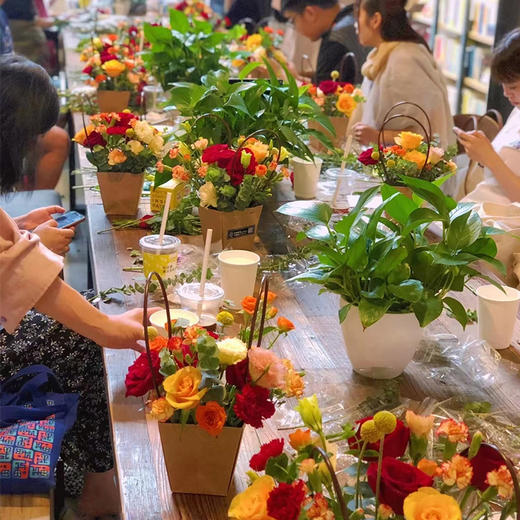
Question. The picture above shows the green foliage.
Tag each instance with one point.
(248, 106)
(187, 51)
(382, 265)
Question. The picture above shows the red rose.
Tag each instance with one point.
(238, 374)
(285, 501)
(116, 130)
(229, 160)
(398, 480)
(268, 450)
(348, 88)
(253, 405)
(105, 56)
(93, 139)
(366, 157)
(125, 119)
(87, 70)
(143, 221)
(227, 21)
(487, 459)
(218, 153)
(138, 380)
(395, 443)
(328, 87)
(204, 15)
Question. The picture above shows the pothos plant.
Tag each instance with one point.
(382, 262)
(249, 106)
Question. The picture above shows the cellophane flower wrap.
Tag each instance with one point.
(336, 98)
(212, 379)
(120, 142)
(416, 468)
(408, 156)
(112, 61)
(225, 177)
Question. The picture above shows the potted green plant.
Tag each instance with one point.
(391, 279)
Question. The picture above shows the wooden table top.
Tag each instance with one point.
(316, 345)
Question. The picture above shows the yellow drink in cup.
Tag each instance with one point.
(161, 258)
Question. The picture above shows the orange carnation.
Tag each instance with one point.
(453, 430)
(158, 343)
(457, 471)
(300, 438)
(211, 417)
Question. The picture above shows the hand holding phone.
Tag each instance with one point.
(69, 219)
(458, 132)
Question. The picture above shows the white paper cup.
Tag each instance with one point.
(238, 274)
(497, 312)
(306, 175)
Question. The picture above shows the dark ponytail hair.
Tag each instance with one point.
(28, 108)
(395, 26)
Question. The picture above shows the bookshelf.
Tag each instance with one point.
(461, 34)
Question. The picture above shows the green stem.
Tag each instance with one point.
(358, 473)
(274, 341)
(379, 468)
(465, 497)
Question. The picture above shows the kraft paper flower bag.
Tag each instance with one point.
(33, 421)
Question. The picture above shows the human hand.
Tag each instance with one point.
(38, 216)
(365, 134)
(55, 239)
(478, 147)
(125, 330)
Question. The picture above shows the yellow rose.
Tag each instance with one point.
(419, 425)
(156, 144)
(436, 155)
(346, 104)
(429, 503)
(143, 131)
(135, 147)
(416, 157)
(409, 140)
(208, 195)
(182, 388)
(260, 150)
(116, 156)
(231, 351)
(251, 504)
(253, 41)
(161, 409)
(113, 68)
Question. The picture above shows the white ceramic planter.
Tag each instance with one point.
(383, 350)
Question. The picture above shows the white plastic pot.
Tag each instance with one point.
(383, 350)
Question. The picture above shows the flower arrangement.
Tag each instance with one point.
(196, 9)
(112, 62)
(226, 178)
(336, 98)
(265, 44)
(213, 380)
(411, 156)
(465, 478)
(120, 142)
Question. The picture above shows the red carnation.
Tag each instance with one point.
(487, 459)
(93, 139)
(268, 450)
(285, 501)
(229, 160)
(138, 380)
(238, 374)
(329, 87)
(88, 69)
(366, 157)
(398, 480)
(252, 405)
(143, 221)
(395, 443)
(218, 153)
(116, 130)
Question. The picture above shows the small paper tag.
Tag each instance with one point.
(236, 233)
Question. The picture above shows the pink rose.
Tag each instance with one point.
(266, 368)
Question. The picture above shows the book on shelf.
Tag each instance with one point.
(451, 14)
(447, 53)
(473, 103)
(452, 97)
(484, 16)
(477, 63)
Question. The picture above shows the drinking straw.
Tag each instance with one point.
(205, 259)
(348, 146)
(141, 40)
(166, 210)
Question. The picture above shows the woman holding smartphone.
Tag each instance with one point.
(500, 158)
(42, 319)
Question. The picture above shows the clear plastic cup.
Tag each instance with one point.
(209, 304)
(161, 258)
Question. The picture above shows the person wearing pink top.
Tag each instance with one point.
(42, 319)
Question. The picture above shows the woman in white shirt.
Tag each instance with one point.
(399, 68)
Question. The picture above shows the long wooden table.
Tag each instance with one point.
(316, 345)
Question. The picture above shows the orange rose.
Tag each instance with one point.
(271, 296)
(100, 78)
(409, 140)
(284, 324)
(260, 170)
(346, 104)
(182, 388)
(299, 439)
(211, 417)
(416, 157)
(113, 68)
(248, 304)
(158, 343)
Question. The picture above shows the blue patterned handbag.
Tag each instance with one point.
(32, 425)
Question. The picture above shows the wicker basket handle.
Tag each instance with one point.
(220, 119)
(145, 320)
(264, 289)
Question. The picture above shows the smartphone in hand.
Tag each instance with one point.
(458, 132)
(69, 219)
